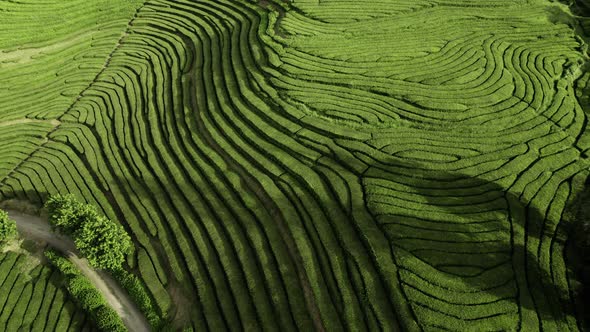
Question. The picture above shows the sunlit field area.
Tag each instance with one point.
(313, 165)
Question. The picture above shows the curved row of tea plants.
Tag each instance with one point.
(34, 298)
(394, 164)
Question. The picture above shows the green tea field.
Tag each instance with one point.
(34, 299)
(309, 165)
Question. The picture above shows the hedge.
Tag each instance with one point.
(84, 292)
(140, 296)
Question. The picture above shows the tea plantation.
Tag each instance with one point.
(33, 298)
(326, 165)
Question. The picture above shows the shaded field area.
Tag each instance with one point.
(317, 165)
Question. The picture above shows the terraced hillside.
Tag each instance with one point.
(33, 298)
(328, 165)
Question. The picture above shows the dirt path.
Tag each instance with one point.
(38, 229)
(55, 123)
(28, 54)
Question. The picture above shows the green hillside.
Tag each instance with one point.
(313, 164)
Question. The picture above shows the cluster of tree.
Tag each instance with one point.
(7, 228)
(103, 242)
(105, 245)
(84, 292)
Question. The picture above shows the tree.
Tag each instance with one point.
(7, 227)
(102, 242)
(64, 212)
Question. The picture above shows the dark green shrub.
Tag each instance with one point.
(87, 296)
(103, 242)
(77, 283)
(107, 320)
(91, 299)
(140, 296)
(7, 227)
(63, 212)
(62, 264)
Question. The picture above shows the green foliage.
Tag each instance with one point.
(90, 298)
(140, 296)
(60, 263)
(84, 292)
(61, 210)
(367, 159)
(7, 227)
(103, 242)
(67, 214)
(107, 320)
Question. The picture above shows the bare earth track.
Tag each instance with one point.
(37, 229)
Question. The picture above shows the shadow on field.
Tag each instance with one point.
(24, 197)
(578, 252)
(497, 253)
(491, 254)
(578, 244)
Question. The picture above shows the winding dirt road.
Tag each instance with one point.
(38, 229)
